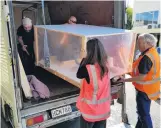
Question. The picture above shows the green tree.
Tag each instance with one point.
(129, 12)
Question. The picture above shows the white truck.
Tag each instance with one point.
(36, 114)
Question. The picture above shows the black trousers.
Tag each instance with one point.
(27, 60)
(86, 124)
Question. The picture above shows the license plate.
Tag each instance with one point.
(61, 111)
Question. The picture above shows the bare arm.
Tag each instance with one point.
(136, 78)
(20, 40)
(22, 44)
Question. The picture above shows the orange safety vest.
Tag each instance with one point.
(151, 83)
(95, 98)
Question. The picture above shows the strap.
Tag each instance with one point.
(153, 81)
(46, 46)
(154, 94)
(154, 64)
(95, 117)
(96, 101)
(95, 82)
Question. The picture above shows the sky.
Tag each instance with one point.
(130, 3)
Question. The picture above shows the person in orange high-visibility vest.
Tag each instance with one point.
(95, 97)
(146, 78)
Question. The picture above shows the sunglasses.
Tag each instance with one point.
(73, 21)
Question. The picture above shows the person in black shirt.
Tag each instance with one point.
(72, 20)
(146, 43)
(25, 35)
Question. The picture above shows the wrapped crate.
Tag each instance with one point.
(65, 46)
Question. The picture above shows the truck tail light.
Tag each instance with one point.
(36, 119)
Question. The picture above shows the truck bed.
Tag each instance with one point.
(58, 87)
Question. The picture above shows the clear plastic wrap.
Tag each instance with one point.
(66, 46)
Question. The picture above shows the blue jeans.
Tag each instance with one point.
(143, 110)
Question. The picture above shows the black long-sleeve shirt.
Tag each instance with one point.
(82, 72)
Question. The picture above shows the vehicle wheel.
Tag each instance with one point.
(149, 26)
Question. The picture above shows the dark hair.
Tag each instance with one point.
(96, 54)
